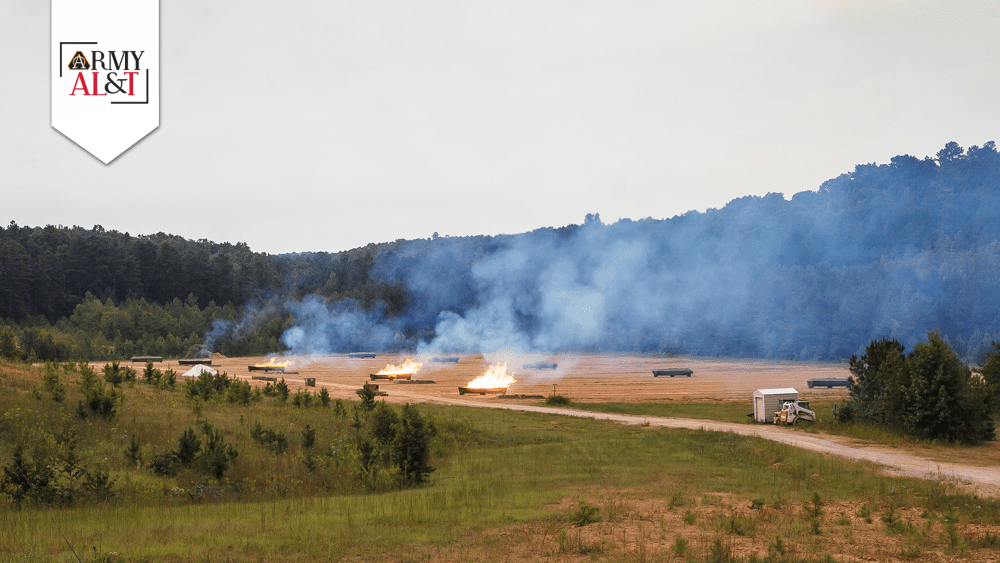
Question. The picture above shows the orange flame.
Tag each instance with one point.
(495, 378)
(272, 363)
(408, 367)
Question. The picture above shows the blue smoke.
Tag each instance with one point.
(894, 251)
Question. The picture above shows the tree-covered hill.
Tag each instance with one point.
(893, 250)
(48, 271)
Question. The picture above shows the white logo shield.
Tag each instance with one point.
(105, 72)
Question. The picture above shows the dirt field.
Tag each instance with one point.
(587, 378)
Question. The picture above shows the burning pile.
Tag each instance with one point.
(496, 380)
(272, 365)
(403, 371)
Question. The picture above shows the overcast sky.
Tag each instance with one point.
(319, 125)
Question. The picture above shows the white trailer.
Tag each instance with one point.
(766, 402)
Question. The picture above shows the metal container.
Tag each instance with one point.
(445, 360)
(829, 382)
(390, 376)
(672, 372)
(475, 391)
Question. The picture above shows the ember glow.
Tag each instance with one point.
(495, 378)
(272, 363)
(408, 367)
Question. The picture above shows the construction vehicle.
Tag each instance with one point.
(793, 412)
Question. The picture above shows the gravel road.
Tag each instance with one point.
(984, 481)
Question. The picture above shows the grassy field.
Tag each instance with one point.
(506, 487)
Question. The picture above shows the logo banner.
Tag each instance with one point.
(105, 72)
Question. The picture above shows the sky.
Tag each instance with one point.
(323, 125)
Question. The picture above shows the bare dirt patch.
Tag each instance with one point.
(584, 378)
(635, 528)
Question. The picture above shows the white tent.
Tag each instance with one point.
(199, 369)
(767, 401)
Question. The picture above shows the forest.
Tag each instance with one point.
(892, 250)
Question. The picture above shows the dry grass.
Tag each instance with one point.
(506, 486)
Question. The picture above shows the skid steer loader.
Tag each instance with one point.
(793, 412)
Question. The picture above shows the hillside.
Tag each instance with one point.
(891, 250)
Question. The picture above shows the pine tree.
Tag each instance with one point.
(411, 446)
(217, 455)
(188, 447)
(876, 386)
(943, 401)
(991, 376)
(282, 390)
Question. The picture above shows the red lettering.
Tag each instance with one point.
(95, 87)
(131, 79)
(82, 85)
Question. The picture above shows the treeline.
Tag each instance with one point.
(72, 293)
(48, 271)
(928, 393)
(893, 250)
(347, 275)
(104, 330)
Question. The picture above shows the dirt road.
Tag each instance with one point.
(984, 481)
(598, 378)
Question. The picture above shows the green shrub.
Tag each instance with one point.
(680, 546)
(584, 514)
(241, 393)
(273, 441)
(165, 463)
(151, 375)
(557, 400)
(133, 451)
(168, 380)
(308, 437)
(411, 445)
(777, 549)
(188, 447)
(865, 512)
(281, 390)
(50, 379)
(814, 508)
(113, 374)
(97, 400)
(53, 478)
(9, 347)
(302, 399)
(217, 456)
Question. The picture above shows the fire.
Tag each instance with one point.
(408, 367)
(495, 378)
(272, 363)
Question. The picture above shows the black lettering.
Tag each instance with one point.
(136, 57)
(117, 84)
(98, 58)
(116, 63)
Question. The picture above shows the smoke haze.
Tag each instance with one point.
(893, 250)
